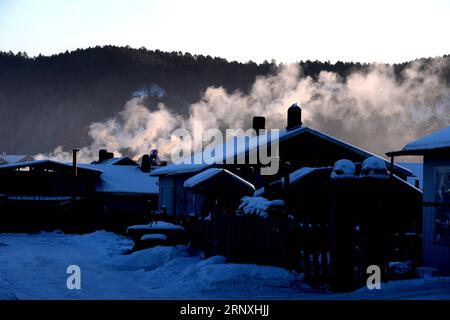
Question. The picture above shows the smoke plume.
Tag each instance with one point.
(372, 110)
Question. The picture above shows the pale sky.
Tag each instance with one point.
(288, 31)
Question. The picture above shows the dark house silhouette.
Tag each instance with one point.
(111, 193)
(298, 147)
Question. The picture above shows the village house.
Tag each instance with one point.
(435, 149)
(299, 147)
(330, 211)
(43, 194)
(110, 193)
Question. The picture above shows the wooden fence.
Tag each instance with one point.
(303, 246)
(278, 241)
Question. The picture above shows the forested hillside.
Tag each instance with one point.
(50, 101)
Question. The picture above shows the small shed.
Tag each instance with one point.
(219, 188)
(435, 149)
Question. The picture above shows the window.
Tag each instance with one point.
(442, 196)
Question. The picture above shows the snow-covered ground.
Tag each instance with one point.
(34, 267)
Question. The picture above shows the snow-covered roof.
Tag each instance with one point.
(243, 144)
(439, 139)
(299, 174)
(294, 177)
(119, 161)
(14, 158)
(259, 192)
(178, 169)
(211, 173)
(113, 178)
(50, 164)
(42, 198)
(124, 179)
(435, 140)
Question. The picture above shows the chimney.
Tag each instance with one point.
(145, 163)
(417, 183)
(74, 161)
(102, 155)
(154, 159)
(286, 171)
(259, 123)
(294, 118)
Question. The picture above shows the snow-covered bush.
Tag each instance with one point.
(258, 206)
(400, 268)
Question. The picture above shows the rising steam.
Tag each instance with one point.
(371, 110)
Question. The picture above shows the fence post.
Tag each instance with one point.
(344, 186)
(375, 222)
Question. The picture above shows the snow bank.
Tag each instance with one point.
(101, 242)
(258, 206)
(148, 259)
(6, 291)
(437, 288)
(156, 225)
(212, 261)
(343, 169)
(33, 267)
(226, 277)
(214, 277)
(154, 236)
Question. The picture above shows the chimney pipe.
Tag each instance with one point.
(294, 117)
(145, 163)
(259, 123)
(102, 155)
(74, 161)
